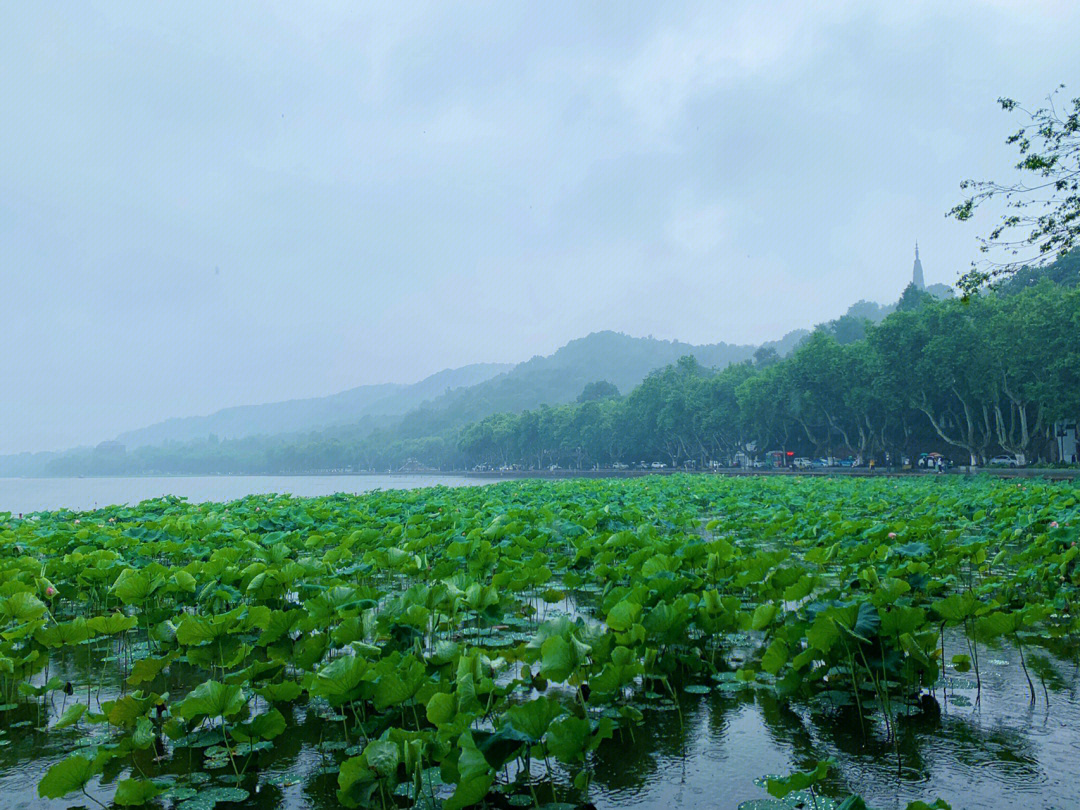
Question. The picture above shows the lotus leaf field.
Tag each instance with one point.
(485, 645)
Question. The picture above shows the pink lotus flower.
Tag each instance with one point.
(76, 521)
(892, 535)
(1053, 524)
(50, 592)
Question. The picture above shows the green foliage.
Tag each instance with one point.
(1044, 205)
(67, 776)
(413, 625)
(212, 699)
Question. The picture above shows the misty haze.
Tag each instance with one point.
(555, 406)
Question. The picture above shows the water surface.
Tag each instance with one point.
(79, 494)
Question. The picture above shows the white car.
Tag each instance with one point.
(802, 463)
(1004, 461)
(658, 465)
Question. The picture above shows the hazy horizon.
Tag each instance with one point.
(212, 206)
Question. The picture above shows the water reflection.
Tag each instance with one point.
(1002, 753)
(998, 754)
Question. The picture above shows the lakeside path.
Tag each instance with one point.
(1049, 473)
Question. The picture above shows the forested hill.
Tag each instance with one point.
(558, 378)
(317, 413)
(372, 418)
(458, 396)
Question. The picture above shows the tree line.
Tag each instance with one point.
(968, 378)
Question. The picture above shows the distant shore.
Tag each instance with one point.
(1063, 474)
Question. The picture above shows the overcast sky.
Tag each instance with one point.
(231, 203)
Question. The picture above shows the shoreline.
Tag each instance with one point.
(555, 475)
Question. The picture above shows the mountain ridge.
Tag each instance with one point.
(453, 397)
(311, 413)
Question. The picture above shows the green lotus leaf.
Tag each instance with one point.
(557, 659)
(212, 699)
(126, 710)
(67, 776)
(183, 581)
(567, 738)
(356, 782)
(900, 619)
(144, 734)
(382, 757)
(441, 708)
(800, 780)
(283, 692)
(22, 607)
(208, 798)
(75, 631)
(133, 587)
(265, 726)
(70, 716)
(823, 633)
(135, 792)
(146, 669)
(112, 624)
(623, 615)
(763, 616)
(339, 680)
(474, 779)
(533, 718)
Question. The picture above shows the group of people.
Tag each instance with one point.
(936, 463)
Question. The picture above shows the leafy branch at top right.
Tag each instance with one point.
(1041, 220)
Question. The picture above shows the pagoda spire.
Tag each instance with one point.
(917, 272)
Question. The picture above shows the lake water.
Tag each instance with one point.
(79, 494)
(1003, 753)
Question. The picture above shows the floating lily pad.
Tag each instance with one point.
(209, 797)
(179, 794)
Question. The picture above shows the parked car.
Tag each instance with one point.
(618, 465)
(819, 463)
(802, 463)
(658, 465)
(1004, 461)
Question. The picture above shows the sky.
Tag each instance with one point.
(213, 204)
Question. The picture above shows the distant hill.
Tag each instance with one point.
(317, 413)
(560, 377)
(444, 401)
(456, 396)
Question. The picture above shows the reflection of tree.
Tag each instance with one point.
(787, 729)
(625, 763)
